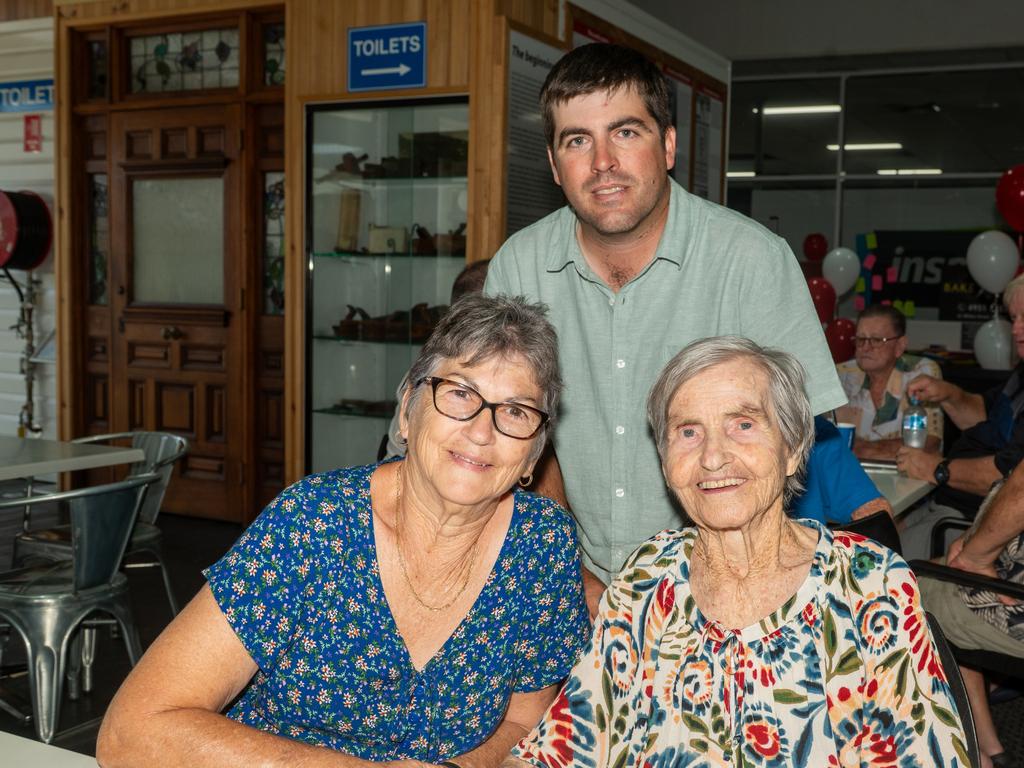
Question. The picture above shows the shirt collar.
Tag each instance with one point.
(567, 251)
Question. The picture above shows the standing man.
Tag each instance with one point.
(633, 269)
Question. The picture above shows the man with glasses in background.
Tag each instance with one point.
(876, 380)
(989, 448)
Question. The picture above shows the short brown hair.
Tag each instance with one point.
(605, 67)
(899, 322)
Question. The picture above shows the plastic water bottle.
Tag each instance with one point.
(915, 425)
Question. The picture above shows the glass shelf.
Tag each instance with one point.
(364, 237)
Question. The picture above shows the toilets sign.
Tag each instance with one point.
(387, 57)
(26, 96)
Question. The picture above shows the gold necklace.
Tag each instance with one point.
(401, 557)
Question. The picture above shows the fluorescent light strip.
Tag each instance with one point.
(909, 171)
(864, 147)
(802, 109)
(740, 174)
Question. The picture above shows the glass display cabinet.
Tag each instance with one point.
(385, 228)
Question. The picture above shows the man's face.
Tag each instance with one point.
(610, 160)
(1016, 310)
(873, 356)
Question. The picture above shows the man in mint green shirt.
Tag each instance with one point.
(633, 269)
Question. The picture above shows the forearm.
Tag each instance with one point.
(881, 504)
(548, 477)
(974, 475)
(198, 738)
(495, 750)
(964, 408)
(1003, 521)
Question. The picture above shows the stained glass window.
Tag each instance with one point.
(273, 54)
(185, 61)
(273, 239)
(97, 69)
(99, 238)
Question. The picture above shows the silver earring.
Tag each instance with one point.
(526, 481)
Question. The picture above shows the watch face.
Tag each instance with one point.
(942, 473)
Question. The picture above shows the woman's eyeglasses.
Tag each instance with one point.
(462, 403)
(871, 342)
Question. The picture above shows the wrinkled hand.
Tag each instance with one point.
(917, 463)
(928, 389)
(956, 558)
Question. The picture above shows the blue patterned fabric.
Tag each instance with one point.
(302, 591)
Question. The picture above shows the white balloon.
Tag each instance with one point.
(841, 267)
(992, 260)
(993, 345)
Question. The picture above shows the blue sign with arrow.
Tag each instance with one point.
(387, 57)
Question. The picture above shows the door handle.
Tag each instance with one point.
(172, 333)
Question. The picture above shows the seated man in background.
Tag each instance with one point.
(836, 489)
(976, 618)
(876, 380)
(991, 445)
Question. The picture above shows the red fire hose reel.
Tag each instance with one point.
(26, 230)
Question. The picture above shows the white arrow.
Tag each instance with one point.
(400, 70)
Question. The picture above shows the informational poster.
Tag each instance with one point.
(683, 93)
(709, 113)
(531, 191)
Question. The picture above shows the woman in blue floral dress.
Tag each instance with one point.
(750, 639)
(418, 611)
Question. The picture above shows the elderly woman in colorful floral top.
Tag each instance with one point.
(750, 639)
(419, 610)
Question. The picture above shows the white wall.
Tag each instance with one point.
(26, 53)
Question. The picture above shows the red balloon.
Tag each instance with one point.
(824, 297)
(1010, 197)
(815, 246)
(839, 334)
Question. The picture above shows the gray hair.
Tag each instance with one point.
(478, 328)
(787, 399)
(1012, 289)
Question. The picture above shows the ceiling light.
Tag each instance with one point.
(740, 174)
(910, 172)
(801, 109)
(864, 147)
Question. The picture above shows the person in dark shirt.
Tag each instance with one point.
(990, 446)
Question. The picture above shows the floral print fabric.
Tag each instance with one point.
(302, 591)
(885, 422)
(843, 674)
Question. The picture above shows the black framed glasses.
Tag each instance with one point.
(462, 403)
(871, 342)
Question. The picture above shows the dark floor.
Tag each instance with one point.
(190, 545)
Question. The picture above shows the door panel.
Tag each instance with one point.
(176, 275)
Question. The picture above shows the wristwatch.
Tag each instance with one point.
(942, 472)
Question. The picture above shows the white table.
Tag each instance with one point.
(18, 751)
(901, 491)
(27, 457)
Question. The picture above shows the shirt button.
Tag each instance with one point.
(611, 302)
(620, 430)
(620, 492)
(620, 363)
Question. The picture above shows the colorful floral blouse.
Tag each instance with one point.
(885, 422)
(843, 674)
(302, 590)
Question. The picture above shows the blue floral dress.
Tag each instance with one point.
(301, 588)
(843, 674)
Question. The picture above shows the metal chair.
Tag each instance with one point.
(880, 526)
(47, 603)
(162, 450)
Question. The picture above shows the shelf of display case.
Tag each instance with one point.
(360, 342)
(344, 255)
(383, 409)
(362, 182)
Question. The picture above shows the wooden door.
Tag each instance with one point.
(177, 298)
